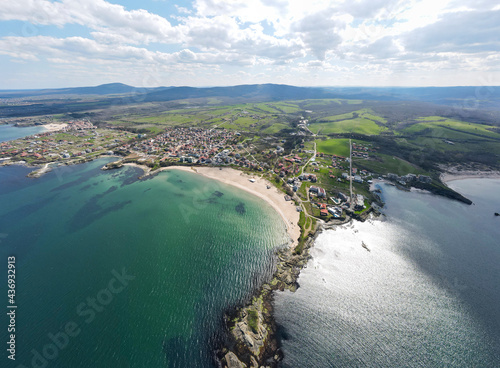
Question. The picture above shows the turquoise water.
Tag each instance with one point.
(10, 132)
(185, 249)
(426, 295)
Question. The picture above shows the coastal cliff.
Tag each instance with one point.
(253, 341)
(252, 330)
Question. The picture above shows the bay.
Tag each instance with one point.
(142, 270)
(10, 132)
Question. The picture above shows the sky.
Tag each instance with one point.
(150, 43)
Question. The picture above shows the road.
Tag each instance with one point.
(307, 163)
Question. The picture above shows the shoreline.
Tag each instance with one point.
(236, 178)
(450, 176)
(53, 127)
(259, 345)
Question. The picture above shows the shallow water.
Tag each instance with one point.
(10, 132)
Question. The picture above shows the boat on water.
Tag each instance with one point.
(365, 246)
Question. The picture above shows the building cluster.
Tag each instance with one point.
(194, 146)
(338, 162)
(228, 157)
(358, 176)
(50, 146)
(361, 151)
(79, 125)
(302, 125)
(409, 178)
(318, 191)
(287, 165)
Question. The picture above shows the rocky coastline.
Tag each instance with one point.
(252, 338)
(251, 329)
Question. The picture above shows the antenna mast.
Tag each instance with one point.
(350, 172)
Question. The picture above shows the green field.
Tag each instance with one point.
(356, 125)
(275, 128)
(362, 121)
(287, 108)
(384, 164)
(450, 129)
(339, 147)
(269, 108)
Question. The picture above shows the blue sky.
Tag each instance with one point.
(67, 43)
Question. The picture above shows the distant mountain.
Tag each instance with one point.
(122, 94)
(248, 92)
(103, 89)
(467, 96)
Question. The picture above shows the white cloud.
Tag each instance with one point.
(138, 26)
(284, 36)
(464, 32)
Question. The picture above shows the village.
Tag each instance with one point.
(318, 183)
(73, 142)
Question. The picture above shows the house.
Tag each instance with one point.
(335, 211)
(424, 179)
(359, 202)
(409, 177)
(321, 192)
(342, 197)
(323, 212)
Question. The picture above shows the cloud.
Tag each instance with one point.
(285, 37)
(464, 32)
(79, 49)
(474, 4)
(383, 48)
(370, 8)
(137, 26)
(224, 34)
(319, 32)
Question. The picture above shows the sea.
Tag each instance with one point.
(426, 292)
(10, 132)
(113, 271)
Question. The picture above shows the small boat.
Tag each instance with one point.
(497, 214)
(365, 246)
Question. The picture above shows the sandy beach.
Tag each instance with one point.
(273, 196)
(459, 175)
(52, 127)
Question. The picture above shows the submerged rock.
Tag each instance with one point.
(240, 208)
